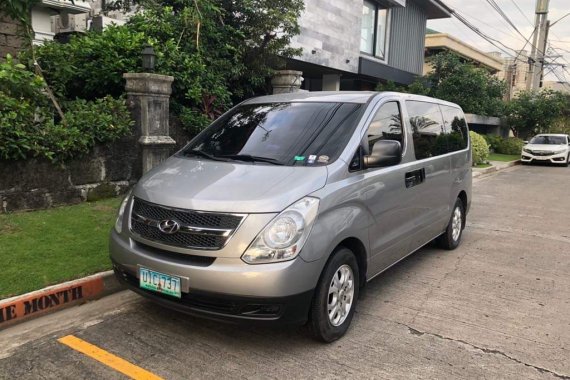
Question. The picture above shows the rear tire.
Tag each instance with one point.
(451, 238)
(335, 297)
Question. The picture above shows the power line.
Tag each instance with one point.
(504, 48)
(522, 13)
(497, 8)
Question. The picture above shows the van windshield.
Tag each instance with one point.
(301, 133)
(550, 140)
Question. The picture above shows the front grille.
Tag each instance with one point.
(198, 230)
(541, 153)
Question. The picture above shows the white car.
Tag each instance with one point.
(552, 148)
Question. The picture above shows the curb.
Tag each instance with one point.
(57, 297)
(493, 169)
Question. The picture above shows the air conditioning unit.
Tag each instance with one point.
(69, 23)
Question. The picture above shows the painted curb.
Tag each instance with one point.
(57, 297)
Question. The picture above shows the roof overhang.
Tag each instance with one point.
(444, 41)
(435, 9)
(75, 7)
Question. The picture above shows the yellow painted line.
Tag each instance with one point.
(107, 358)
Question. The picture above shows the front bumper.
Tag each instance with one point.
(227, 308)
(222, 288)
(558, 158)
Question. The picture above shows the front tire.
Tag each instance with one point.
(451, 238)
(335, 297)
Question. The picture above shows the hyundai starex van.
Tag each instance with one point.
(283, 208)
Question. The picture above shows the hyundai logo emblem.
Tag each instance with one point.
(168, 226)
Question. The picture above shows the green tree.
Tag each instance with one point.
(454, 80)
(474, 89)
(219, 51)
(531, 113)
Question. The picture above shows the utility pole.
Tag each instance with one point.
(537, 56)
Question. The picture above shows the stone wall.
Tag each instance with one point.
(107, 171)
(10, 40)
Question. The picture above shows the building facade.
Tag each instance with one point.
(437, 42)
(355, 44)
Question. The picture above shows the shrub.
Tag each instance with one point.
(479, 148)
(28, 128)
(91, 66)
(511, 145)
(494, 141)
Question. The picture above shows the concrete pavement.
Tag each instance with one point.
(497, 307)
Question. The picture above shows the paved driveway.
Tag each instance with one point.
(497, 307)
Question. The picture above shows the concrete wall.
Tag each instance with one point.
(332, 29)
(10, 41)
(330, 35)
(107, 171)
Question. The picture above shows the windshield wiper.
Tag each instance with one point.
(201, 153)
(250, 158)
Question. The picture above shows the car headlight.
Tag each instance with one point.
(121, 213)
(527, 150)
(557, 151)
(283, 238)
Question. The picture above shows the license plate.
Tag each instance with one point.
(159, 282)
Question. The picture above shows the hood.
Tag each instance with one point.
(545, 147)
(207, 185)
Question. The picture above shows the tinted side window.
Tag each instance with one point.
(386, 125)
(427, 128)
(456, 128)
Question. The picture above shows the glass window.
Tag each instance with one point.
(548, 140)
(386, 125)
(381, 26)
(367, 30)
(456, 128)
(373, 29)
(280, 133)
(427, 129)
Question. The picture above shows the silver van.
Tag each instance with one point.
(285, 206)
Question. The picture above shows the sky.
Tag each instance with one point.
(488, 20)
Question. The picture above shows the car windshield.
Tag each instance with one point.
(550, 140)
(301, 133)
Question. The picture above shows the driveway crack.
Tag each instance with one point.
(487, 351)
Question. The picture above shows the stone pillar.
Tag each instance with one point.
(331, 82)
(285, 81)
(148, 98)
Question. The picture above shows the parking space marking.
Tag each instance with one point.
(107, 358)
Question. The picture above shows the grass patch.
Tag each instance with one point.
(483, 166)
(47, 247)
(504, 157)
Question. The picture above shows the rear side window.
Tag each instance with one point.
(386, 125)
(427, 129)
(455, 127)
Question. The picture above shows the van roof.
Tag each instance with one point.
(360, 97)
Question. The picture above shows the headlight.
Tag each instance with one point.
(119, 221)
(283, 238)
(527, 150)
(557, 151)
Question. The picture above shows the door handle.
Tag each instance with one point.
(415, 177)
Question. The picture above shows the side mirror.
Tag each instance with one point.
(384, 153)
(525, 142)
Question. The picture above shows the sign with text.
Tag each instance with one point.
(40, 302)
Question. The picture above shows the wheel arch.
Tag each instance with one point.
(359, 250)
